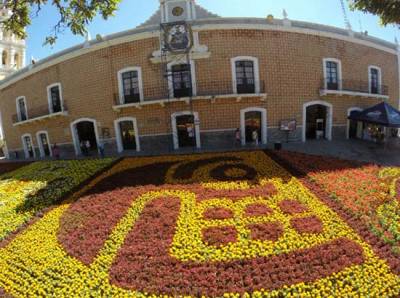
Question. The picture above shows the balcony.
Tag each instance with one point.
(207, 91)
(354, 88)
(39, 114)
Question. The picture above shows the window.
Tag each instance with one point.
(130, 85)
(22, 113)
(182, 80)
(333, 76)
(245, 75)
(28, 146)
(55, 98)
(245, 81)
(374, 80)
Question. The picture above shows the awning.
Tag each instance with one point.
(381, 114)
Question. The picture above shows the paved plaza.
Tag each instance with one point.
(351, 149)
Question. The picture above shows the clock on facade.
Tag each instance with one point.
(177, 11)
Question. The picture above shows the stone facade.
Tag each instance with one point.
(291, 74)
(12, 49)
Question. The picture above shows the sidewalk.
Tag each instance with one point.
(340, 148)
(350, 149)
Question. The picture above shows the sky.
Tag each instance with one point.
(132, 13)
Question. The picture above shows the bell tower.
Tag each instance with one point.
(177, 10)
(12, 49)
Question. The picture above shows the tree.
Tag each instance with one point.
(387, 10)
(73, 14)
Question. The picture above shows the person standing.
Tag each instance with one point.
(87, 146)
(190, 131)
(56, 151)
(238, 139)
(190, 134)
(255, 137)
(101, 149)
(83, 147)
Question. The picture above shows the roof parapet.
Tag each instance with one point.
(202, 23)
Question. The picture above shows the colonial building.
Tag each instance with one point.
(189, 79)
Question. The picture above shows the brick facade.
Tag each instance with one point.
(290, 69)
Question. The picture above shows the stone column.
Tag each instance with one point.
(1, 58)
(398, 65)
(12, 56)
(23, 58)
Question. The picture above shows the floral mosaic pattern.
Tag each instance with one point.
(30, 189)
(6, 167)
(368, 192)
(203, 225)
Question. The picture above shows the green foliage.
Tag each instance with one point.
(74, 14)
(387, 10)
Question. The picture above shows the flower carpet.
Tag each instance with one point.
(212, 225)
(6, 167)
(29, 189)
(368, 192)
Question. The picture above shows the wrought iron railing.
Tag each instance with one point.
(37, 112)
(354, 86)
(227, 87)
(216, 88)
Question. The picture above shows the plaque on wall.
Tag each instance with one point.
(105, 132)
(288, 125)
(177, 37)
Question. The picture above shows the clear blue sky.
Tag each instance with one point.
(133, 12)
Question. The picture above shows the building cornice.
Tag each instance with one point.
(141, 33)
(14, 44)
(311, 29)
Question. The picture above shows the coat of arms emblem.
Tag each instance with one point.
(177, 37)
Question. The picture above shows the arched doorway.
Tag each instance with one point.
(317, 121)
(84, 131)
(186, 130)
(253, 123)
(27, 143)
(127, 134)
(44, 144)
(354, 128)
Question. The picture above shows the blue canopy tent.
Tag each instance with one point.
(381, 114)
(377, 120)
